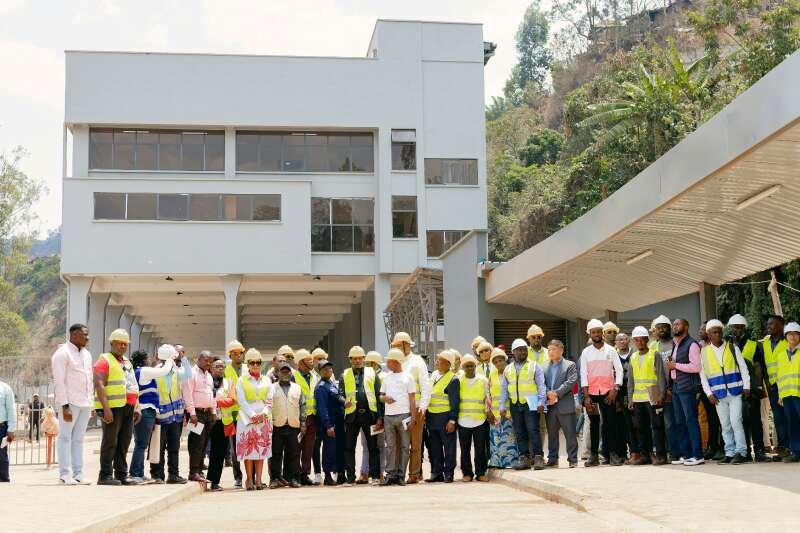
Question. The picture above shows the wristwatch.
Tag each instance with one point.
(65, 406)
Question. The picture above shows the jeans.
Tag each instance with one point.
(781, 425)
(729, 410)
(526, 429)
(466, 436)
(672, 430)
(115, 442)
(791, 408)
(141, 440)
(443, 445)
(69, 443)
(685, 406)
(170, 441)
(398, 444)
(752, 424)
(4, 475)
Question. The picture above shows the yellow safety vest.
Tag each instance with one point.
(644, 375)
(494, 389)
(653, 345)
(484, 369)
(725, 379)
(771, 358)
(788, 375)
(308, 390)
(369, 389)
(749, 351)
(414, 371)
(542, 358)
(233, 380)
(226, 413)
(440, 402)
(473, 399)
(115, 387)
(522, 385)
(250, 390)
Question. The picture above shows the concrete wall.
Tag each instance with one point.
(687, 307)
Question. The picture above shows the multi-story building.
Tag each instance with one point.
(270, 198)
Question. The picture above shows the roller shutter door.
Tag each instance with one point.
(505, 331)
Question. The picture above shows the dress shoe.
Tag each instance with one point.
(158, 481)
(109, 481)
(710, 453)
(725, 460)
(738, 459)
(640, 461)
(466, 479)
(448, 479)
(633, 459)
(482, 479)
(719, 455)
(604, 460)
(283, 482)
(538, 462)
(593, 460)
(341, 479)
(197, 477)
(388, 481)
(215, 488)
(275, 484)
(573, 465)
(761, 457)
(657, 461)
(616, 460)
(306, 481)
(131, 481)
(295, 484)
(363, 479)
(176, 480)
(329, 482)
(435, 479)
(791, 458)
(524, 463)
(412, 479)
(552, 463)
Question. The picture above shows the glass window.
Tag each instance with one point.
(404, 217)
(404, 150)
(204, 207)
(247, 152)
(192, 153)
(304, 152)
(439, 241)
(169, 151)
(101, 149)
(142, 206)
(451, 171)
(109, 206)
(266, 207)
(215, 151)
(124, 150)
(173, 206)
(316, 153)
(342, 225)
(146, 150)
(237, 206)
(270, 149)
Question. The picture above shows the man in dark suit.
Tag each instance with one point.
(560, 378)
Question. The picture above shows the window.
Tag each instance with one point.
(439, 241)
(404, 149)
(451, 171)
(117, 149)
(187, 207)
(342, 225)
(304, 152)
(404, 217)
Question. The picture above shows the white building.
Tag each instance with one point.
(274, 199)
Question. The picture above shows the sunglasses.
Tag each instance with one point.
(257, 363)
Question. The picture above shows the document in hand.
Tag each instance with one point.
(406, 422)
(374, 431)
(533, 401)
(196, 428)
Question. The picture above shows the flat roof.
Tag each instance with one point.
(720, 205)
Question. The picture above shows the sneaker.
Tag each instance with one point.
(725, 460)
(317, 478)
(692, 461)
(215, 488)
(538, 462)
(237, 484)
(158, 481)
(573, 465)
(294, 484)
(375, 482)
(131, 481)
(592, 461)
(678, 461)
(137, 480)
(81, 481)
(68, 481)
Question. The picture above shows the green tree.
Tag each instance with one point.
(533, 57)
(543, 147)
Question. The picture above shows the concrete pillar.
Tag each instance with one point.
(78, 300)
(230, 285)
(381, 296)
(136, 332)
(113, 317)
(367, 312)
(97, 322)
(230, 152)
(708, 301)
(145, 341)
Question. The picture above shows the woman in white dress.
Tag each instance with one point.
(253, 428)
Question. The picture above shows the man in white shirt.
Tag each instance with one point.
(725, 381)
(73, 389)
(415, 365)
(398, 391)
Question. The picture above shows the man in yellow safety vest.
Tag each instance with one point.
(232, 373)
(788, 379)
(360, 390)
(307, 379)
(472, 425)
(441, 419)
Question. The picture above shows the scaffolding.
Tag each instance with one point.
(418, 309)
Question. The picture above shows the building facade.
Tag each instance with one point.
(271, 199)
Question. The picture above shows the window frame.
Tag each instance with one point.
(403, 137)
(415, 211)
(331, 226)
(463, 233)
(450, 160)
(251, 197)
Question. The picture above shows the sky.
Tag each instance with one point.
(35, 33)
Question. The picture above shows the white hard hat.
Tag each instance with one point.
(235, 345)
(790, 327)
(167, 352)
(374, 357)
(498, 352)
(518, 343)
(476, 341)
(640, 331)
(119, 335)
(400, 337)
(714, 323)
(610, 326)
(661, 319)
(395, 354)
(737, 320)
(469, 358)
(302, 353)
(448, 356)
(593, 324)
(356, 351)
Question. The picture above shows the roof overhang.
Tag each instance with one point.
(721, 205)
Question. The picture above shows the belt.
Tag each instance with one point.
(203, 409)
(362, 410)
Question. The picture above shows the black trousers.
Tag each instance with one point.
(35, 423)
(480, 436)
(197, 443)
(4, 475)
(285, 453)
(442, 449)
(219, 450)
(714, 429)
(612, 428)
(631, 439)
(352, 429)
(170, 443)
(754, 432)
(649, 423)
(115, 442)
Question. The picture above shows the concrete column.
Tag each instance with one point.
(381, 296)
(136, 331)
(367, 312)
(78, 300)
(145, 342)
(708, 301)
(113, 317)
(230, 152)
(97, 321)
(231, 284)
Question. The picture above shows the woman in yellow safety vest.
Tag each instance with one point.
(253, 428)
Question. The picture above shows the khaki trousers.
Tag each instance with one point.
(415, 461)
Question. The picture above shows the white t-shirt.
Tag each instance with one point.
(398, 385)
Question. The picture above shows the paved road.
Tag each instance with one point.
(431, 508)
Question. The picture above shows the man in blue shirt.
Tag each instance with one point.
(8, 424)
(330, 411)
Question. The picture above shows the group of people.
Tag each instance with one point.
(640, 394)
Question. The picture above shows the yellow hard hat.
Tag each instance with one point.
(235, 345)
(483, 346)
(448, 356)
(301, 354)
(356, 351)
(285, 350)
(318, 354)
(252, 355)
(476, 341)
(498, 352)
(456, 354)
(469, 358)
(400, 337)
(374, 357)
(119, 335)
(535, 330)
(609, 326)
(395, 355)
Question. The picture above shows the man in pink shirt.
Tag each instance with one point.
(198, 396)
(73, 389)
